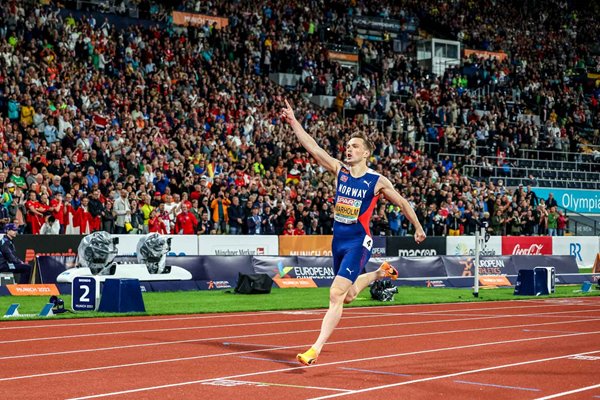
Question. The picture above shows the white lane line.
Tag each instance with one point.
(197, 340)
(226, 383)
(187, 328)
(269, 360)
(179, 384)
(136, 320)
(498, 386)
(473, 371)
(370, 371)
(562, 394)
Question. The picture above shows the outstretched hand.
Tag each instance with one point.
(287, 114)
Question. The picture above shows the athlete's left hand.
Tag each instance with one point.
(420, 235)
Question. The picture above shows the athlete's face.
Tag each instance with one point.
(356, 151)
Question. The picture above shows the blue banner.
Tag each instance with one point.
(221, 272)
(581, 201)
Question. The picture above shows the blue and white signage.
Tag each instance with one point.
(84, 294)
(581, 201)
(583, 248)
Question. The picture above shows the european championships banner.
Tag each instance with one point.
(213, 272)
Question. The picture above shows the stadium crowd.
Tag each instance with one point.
(172, 130)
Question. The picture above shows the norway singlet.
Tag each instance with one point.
(354, 203)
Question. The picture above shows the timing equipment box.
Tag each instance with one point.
(535, 282)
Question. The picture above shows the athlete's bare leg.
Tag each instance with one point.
(338, 291)
(362, 282)
(341, 290)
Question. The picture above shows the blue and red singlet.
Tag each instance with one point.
(354, 203)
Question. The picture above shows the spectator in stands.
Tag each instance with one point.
(299, 230)
(236, 216)
(220, 217)
(125, 131)
(499, 223)
(515, 223)
(289, 229)
(107, 218)
(561, 223)
(155, 223)
(146, 208)
(551, 201)
(542, 217)
(205, 227)
(185, 223)
(4, 216)
(121, 211)
(50, 226)
(455, 224)
(530, 223)
(137, 219)
(253, 221)
(552, 221)
(268, 221)
(56, 187)
(394, 218)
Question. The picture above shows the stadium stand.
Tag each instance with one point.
(114, 125)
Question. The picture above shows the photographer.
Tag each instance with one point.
(50, 226)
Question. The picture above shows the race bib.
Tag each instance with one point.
(368, 242)
(347, 210)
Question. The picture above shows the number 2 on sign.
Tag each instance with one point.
(84, 297)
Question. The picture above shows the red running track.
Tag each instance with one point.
(533, 349)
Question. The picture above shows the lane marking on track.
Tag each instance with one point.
(55, 353)
(269, 359)
(135, 320)
(473, 371)
(536, 315)
(230, 383)
(562, 394)
(247, 344)
(370, 371)
(498, 386)
(545, 330)
(468, 317)
(178, 384)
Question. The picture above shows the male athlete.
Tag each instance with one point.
(358, 189)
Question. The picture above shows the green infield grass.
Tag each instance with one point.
(192, 302)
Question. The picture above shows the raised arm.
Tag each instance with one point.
(324, 159)
(385, 187)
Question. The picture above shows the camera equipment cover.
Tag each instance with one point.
(96, 251)
(152, 250)
(383, 290)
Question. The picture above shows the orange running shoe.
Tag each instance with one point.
(308, 358)
(390, 271)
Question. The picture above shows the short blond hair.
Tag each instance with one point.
(368, 144)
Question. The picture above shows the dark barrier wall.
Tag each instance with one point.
(220, 272)
(562, 264)
(405, 246)
(30, 246)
